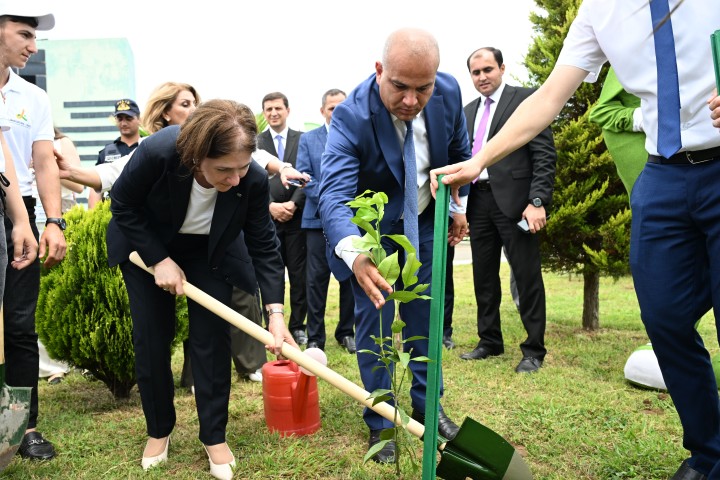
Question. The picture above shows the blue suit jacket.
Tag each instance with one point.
(310, 150)
(363, 152)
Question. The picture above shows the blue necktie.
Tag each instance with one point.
(410, 213)
(280, 148)
(668, 141)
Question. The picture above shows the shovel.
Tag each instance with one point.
(14, 410)
(476, 452)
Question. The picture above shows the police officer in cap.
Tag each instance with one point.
(127, 115)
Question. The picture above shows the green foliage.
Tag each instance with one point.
(369, 211)
(589, 229)
(83, 314)
(261, 122)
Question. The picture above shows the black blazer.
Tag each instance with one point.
(526, 173)
(278, 192)
(149, 203)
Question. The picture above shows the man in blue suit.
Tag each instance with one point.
(364, 151)
(310, 150)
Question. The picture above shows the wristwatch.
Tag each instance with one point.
(536, 202)
(60, 222)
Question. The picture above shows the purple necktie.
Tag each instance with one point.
(480, 134)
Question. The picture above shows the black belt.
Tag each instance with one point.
(29, 202)
(482, 184)
(688, 158)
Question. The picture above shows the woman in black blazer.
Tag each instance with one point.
(184, 202)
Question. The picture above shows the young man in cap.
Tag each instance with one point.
(30, 138)
(127, 115)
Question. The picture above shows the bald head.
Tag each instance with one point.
(411, 43)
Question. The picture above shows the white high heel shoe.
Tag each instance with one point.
(148, 462)
(222, 471)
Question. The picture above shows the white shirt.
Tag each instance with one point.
(200, 210)
(620, 31)
(495, 96)
(283, 134)
(29, 115)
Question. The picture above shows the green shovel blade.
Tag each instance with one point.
(481, 454)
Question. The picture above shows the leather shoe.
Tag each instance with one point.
(528, 365)
(448, 342)
(349, 343)
(685, 472)
(480, 353)
(387, 453)
(300, 337)
(35, 447)
(313, 344)
(446, 427)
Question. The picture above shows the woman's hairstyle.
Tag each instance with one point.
(161, 100)
(215, 129)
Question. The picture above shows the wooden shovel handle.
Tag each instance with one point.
(288, 351)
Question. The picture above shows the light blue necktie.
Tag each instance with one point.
(280, 148)
(668, 141)
(410, 213)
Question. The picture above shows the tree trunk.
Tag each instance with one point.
(591, 301)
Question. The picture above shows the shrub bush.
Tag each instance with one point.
(83, 313)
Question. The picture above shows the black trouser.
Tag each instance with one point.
(19, 302)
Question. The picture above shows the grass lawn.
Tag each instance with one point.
(576, 419)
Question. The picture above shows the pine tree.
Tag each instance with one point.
(589, 233)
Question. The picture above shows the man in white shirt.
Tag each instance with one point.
(30, 140)
(675, 239)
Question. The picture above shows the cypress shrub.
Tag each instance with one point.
(83, 313)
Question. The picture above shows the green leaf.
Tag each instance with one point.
(389, 268)
(397, 325)
(403, 241)
(420, 287)
(404, 358)
(403, 296)
(412, 265)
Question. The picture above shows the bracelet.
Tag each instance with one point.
(285, 165)
(272, 311)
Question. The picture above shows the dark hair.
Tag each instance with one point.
(216, 128)
(331, 93)
(496, 53)
(275, 96)
(31, 21)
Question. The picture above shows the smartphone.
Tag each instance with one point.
(296, 182)
(523, 225)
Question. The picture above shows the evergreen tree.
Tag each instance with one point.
(589, 233)
(83, 312)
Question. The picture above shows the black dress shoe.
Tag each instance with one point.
(529, 365)
(448, 342)
(313, 344)
(300, 337)
(387, 453)
(35, 447)
(480, 353)
(349, 343)
(446, 427)
(685, 472)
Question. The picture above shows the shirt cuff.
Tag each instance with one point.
(637, 120)
(345, 250)
(462, 208)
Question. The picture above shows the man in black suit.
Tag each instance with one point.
(518, 188)
(286, 207)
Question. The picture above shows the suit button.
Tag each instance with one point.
(214, 268)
